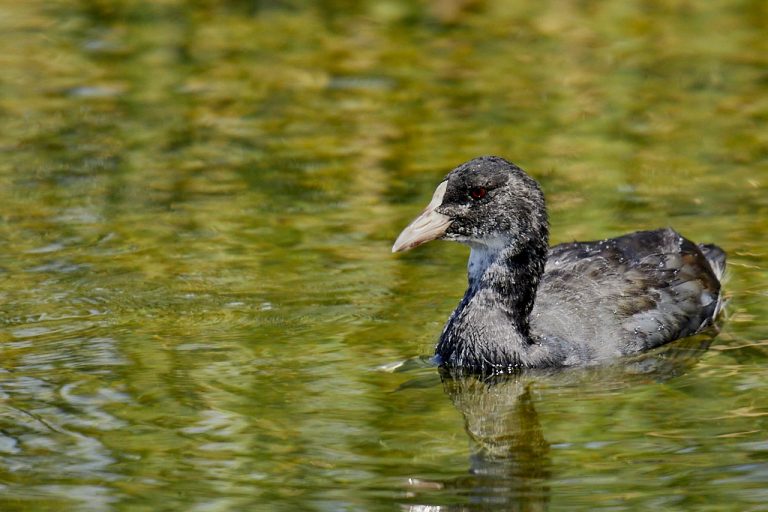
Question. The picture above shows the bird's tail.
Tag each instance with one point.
(716, 258)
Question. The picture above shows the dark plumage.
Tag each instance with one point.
(531, 306)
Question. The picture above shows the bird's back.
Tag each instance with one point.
(628, 294)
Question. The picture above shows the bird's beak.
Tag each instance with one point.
(427, 226)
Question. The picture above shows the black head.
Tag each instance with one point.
(487, 202)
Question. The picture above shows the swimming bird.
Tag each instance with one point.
(528, 305)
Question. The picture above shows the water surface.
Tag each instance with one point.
(197, 202)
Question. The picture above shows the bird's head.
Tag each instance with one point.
(487, 203)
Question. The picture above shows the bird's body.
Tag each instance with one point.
(531, 306)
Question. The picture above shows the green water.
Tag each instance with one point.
(197, 205)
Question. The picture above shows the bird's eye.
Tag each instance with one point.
(477, 193)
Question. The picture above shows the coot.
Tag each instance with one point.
(529, 305)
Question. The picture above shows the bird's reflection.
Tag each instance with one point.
(510, 462)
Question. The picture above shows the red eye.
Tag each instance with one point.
(477, 192)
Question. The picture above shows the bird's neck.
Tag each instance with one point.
(490, 330)
(511, 277)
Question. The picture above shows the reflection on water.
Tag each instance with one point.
(197, 201)
(510, 463)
